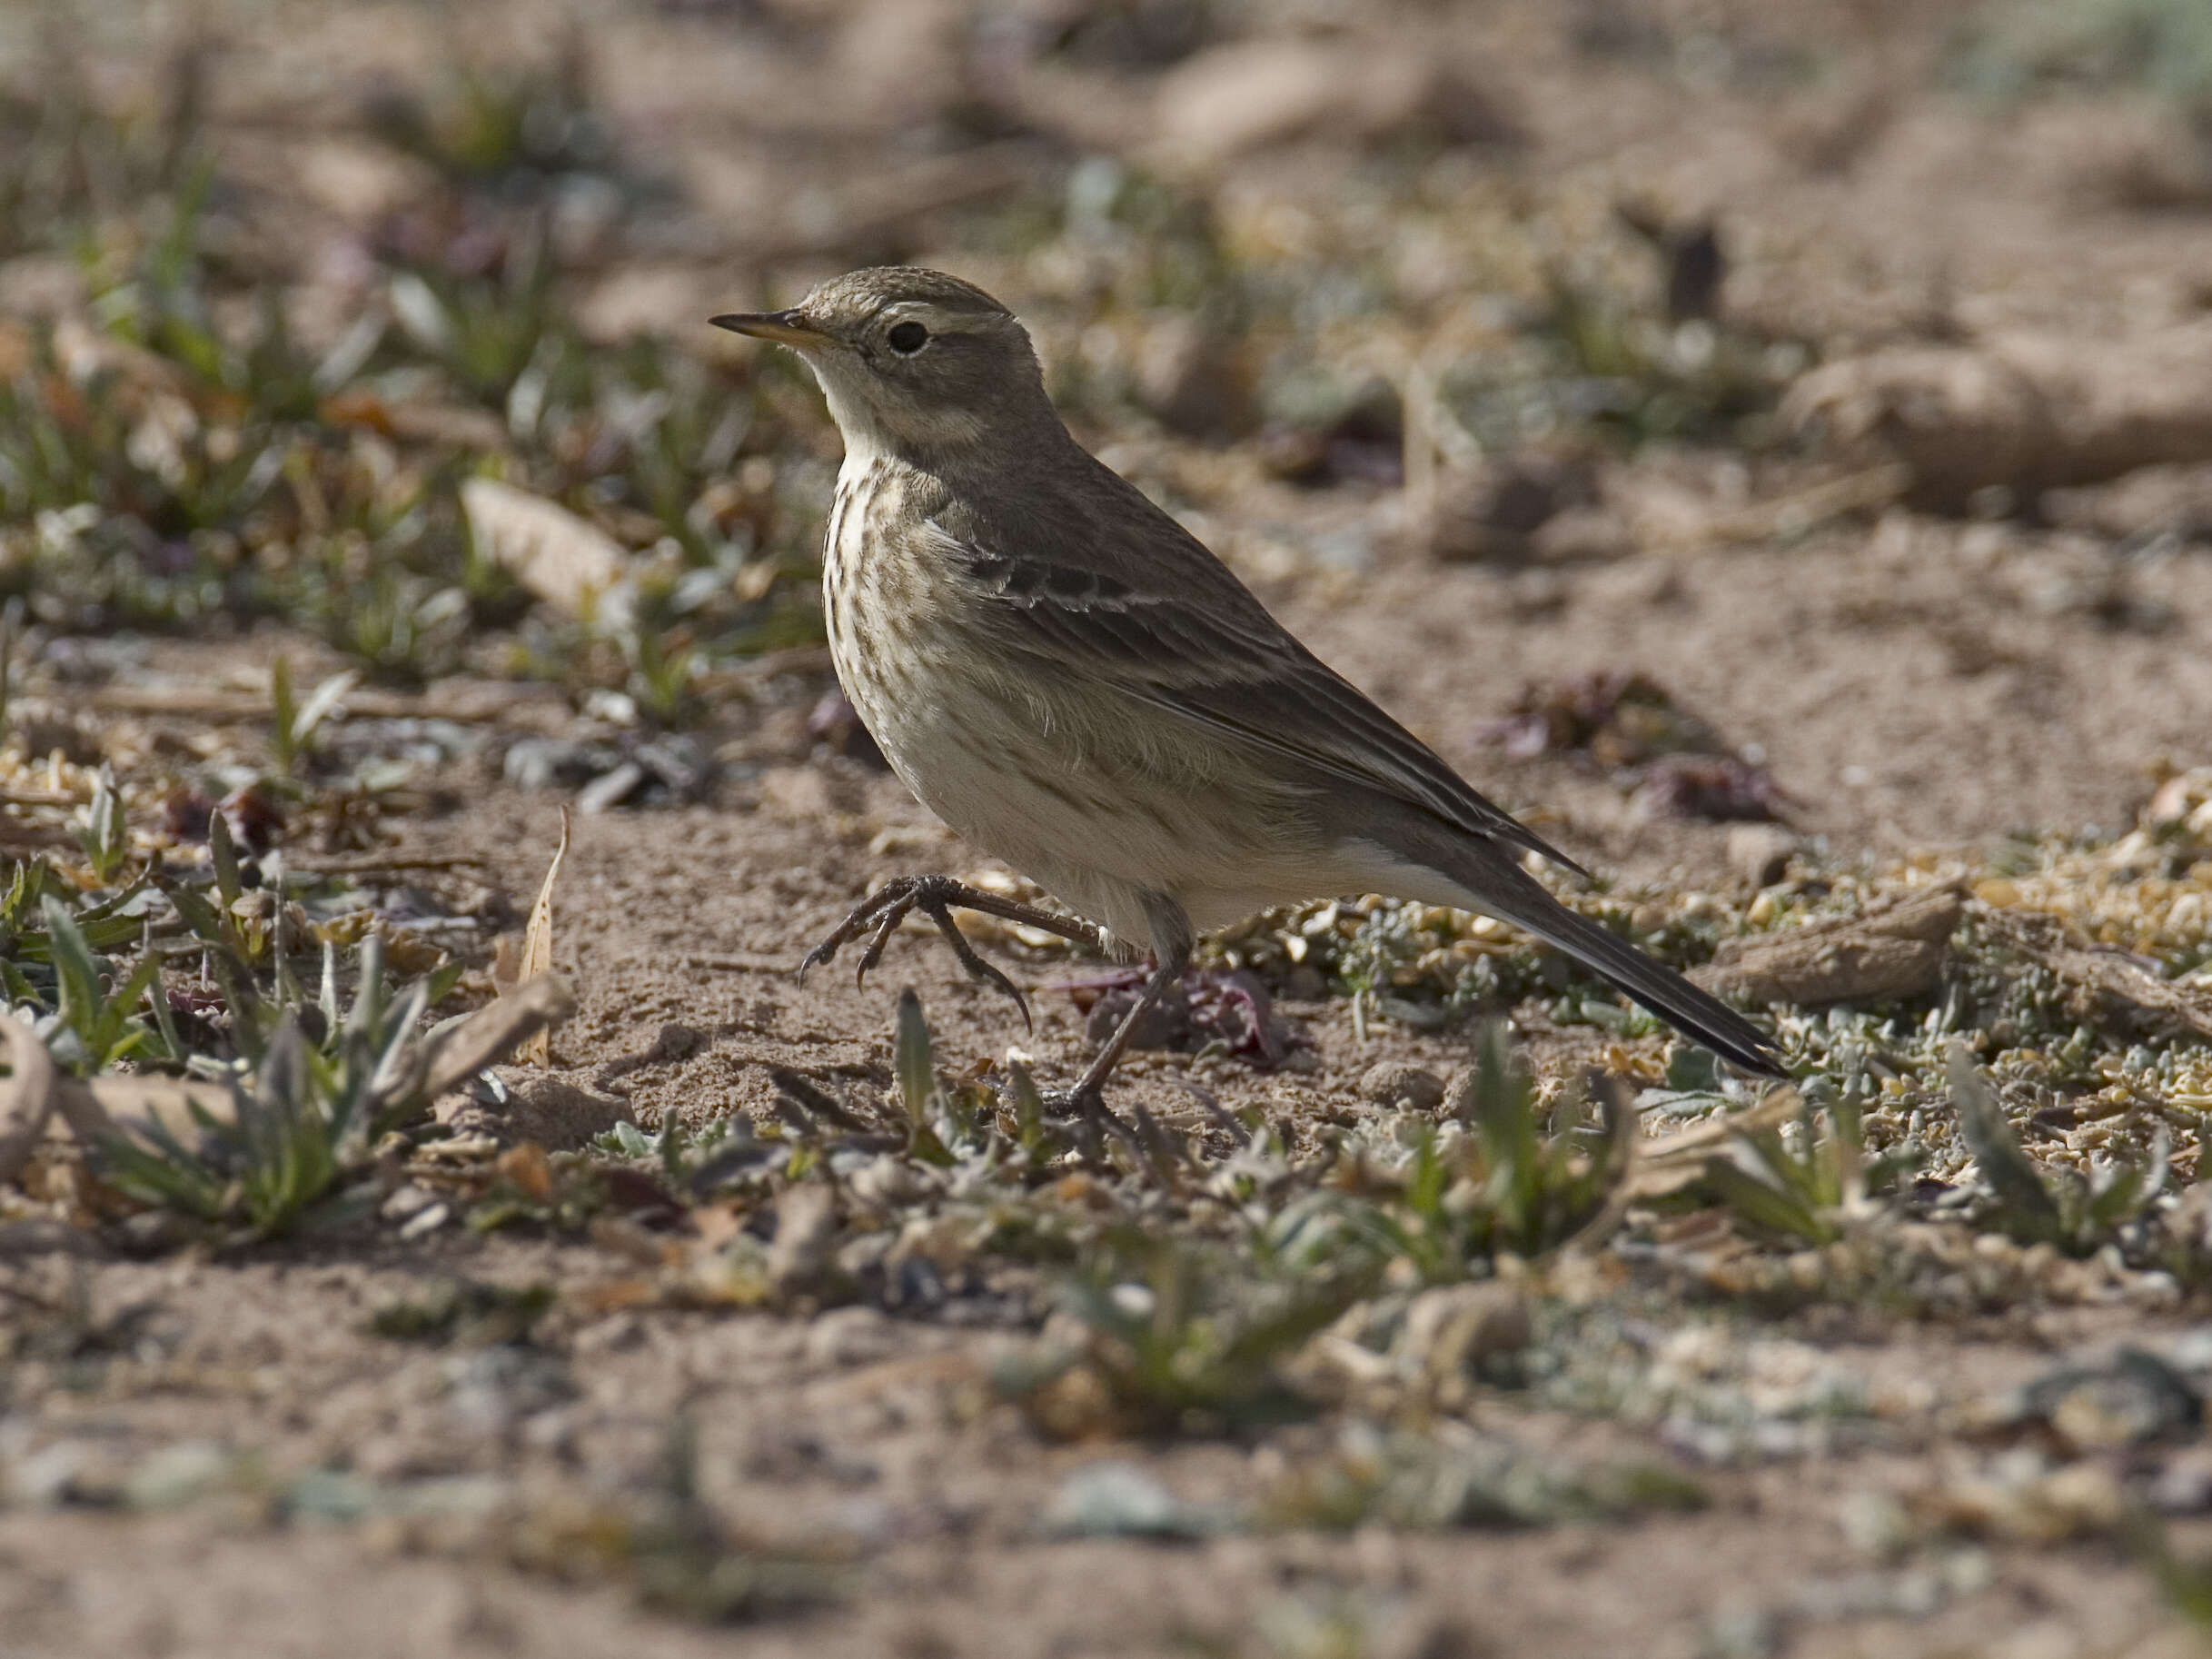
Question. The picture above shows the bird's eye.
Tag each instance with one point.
(908, 338)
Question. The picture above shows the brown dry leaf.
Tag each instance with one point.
(458, 425)
(1672, 1162)
(1230, 99)
(537, 949)
(26, 1099)
(571, 565)
(1891, 950)
(805, 1237)
(627, 1239)
(619, 1293)
(719, 1225)
(493, 1033)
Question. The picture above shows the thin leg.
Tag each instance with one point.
(1089, 1091)
(935, 896)
(1172, 942)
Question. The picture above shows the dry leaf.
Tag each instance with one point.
(571, 565)
(1672, 1162)
(493, 1033)
(526, 1167)
(537, 948)
(2104, 986)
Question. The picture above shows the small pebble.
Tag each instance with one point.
(1400, 1082)
(1759, 853)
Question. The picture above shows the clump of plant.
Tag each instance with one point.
(2024, 45)
(1179, 1337)
(267, 1146)
(1504, 1177)
(2076, 1213)
(1801, 1182)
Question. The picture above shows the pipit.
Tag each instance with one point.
(1068, 678)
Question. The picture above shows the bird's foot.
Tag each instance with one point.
(936, 896)
(1084, 1107)
(1085, 1099)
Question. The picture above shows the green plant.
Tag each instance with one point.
(1186, 1340)
(92, 1028)
(688, 1564)
(2166, 45)
(1407, 1479)
(466, 1312)
(104, 835)
(1804, 1192)
(1497, 1182)
(2076, 1213)
(289, 1133)
(293, 724)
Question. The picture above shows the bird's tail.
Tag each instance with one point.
(1480, 875)
(1693, 1012)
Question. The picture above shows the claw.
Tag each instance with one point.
(935, 896)
(892, 917)
(974, 964)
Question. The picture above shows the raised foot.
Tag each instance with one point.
(935, 896)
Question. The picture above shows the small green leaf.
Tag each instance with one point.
(285, 716)
(224, 858)
(2028, 1212)
(911, 1061)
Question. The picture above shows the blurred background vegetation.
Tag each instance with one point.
(275, 283)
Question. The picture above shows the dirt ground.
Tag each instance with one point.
(1916, 681)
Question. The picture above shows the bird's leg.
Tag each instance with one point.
(1088, 1095)
(935, 896)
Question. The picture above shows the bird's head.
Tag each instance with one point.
(912, 361)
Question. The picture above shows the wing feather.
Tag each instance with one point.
(1163, 621)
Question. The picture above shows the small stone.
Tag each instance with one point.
(1119, 1500)
(559, 1115)
(2184, 1487)
(1759, 853)
(406, 1201)
(1400, 1083)
(174, 1475)
(800, 793)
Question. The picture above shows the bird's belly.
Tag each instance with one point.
(1098, 804)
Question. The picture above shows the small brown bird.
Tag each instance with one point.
(1068, 678)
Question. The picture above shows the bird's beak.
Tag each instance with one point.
(784, 327)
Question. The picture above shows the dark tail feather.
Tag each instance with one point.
(1690, 1010)
(1488, 878)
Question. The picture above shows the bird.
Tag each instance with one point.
(1073, 682)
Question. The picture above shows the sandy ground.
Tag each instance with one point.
(1914, 682)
